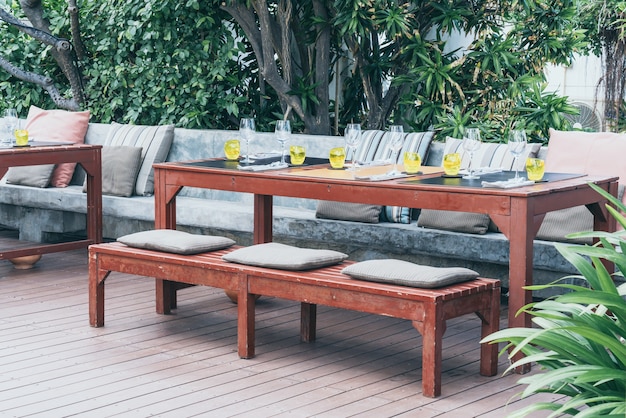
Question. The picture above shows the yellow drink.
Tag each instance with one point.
(232, 149)
(412, 162)
(452, 164)
(297, 154)
(21, 137)
(535, 168)
(337, 157)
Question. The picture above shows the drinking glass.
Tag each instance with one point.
(10, 123)
(297, 154)
(282, 131)
(232, 149)
(535, 169)
(396, 141)
(246, 130)
(516, 145)
(452, 164)
(471, 144)
(352, 136)
(337, 157)
(412, 162)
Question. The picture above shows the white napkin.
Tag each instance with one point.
(273, 166)
(482, 170)
(507, 184)
(381, 177)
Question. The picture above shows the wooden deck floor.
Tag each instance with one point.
(53, 364)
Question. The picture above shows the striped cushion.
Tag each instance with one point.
(491, 155)
(155, 142)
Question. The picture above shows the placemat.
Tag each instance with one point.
(501, 176)
(43, 144)
(346, 174)
(232, 165)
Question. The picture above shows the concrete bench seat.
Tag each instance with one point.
(427, 309)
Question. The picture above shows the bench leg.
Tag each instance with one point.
(432, 330)
(165, 295)
(245, 320)
(490, 323)
(308, 322)
(96, 292)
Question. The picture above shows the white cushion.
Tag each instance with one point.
(405, 273)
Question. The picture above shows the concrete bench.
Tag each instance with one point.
(427, 309)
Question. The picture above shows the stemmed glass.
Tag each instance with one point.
(10, 120)
(352, 136)
(516, 145)
(282, 131)
(246, 130)
(396, 141)
(471, 144)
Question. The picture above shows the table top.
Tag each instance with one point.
(431, 179)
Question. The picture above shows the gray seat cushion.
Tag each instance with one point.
(173, 241)
(31, 175)
(405, 273)
(284, 257)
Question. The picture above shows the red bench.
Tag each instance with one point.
(427, 309)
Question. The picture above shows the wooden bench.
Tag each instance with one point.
(427, 309)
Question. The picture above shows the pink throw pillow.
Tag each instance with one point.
(58, 126)
(593, 153)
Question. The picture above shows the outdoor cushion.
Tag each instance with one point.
(593, 153)
(173, 241)
(556, 225)
(155, 142)
(58, 125)
(396, 214)
(358, 212)
(471, 223)
(120, 166)
(284, 257)
(491, 155)
(405, 273)
(32, 175)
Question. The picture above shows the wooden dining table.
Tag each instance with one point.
(518, 212)
(87, 156)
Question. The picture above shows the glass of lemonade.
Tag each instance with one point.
(232, 149)
(412, 162)
(535, 169)
(452, 164)
(337, 157)
(297, 154)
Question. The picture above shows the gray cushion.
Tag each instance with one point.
(32, 175)
(120, 166)
(284, 257)
(556, 225)
(404, 273)
(155, 142)
(471, 223)
(358, 212)
(173, 241)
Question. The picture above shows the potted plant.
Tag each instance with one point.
(579, 337)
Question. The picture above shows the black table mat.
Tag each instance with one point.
(501, 176)
(232, 165)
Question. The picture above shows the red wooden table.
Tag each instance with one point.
(518, 212)
(89, 157)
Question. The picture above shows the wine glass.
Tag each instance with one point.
(10, 121)
(516, 145)
(471, 144)
(246, 130)
(282, 131)
(352, 136)
(396, 141)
